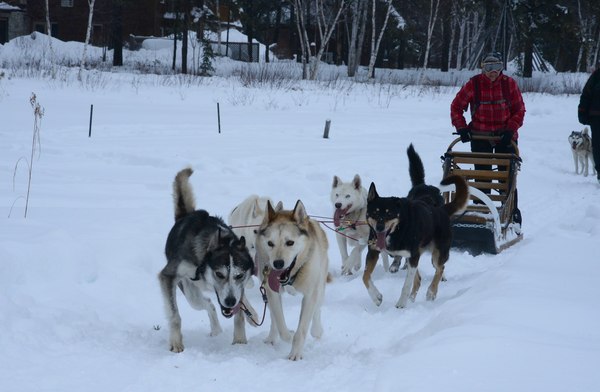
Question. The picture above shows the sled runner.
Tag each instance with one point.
(487, 225)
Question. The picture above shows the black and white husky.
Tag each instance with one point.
(581, 147)
(203, 254)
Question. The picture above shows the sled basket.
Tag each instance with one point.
(488, 224)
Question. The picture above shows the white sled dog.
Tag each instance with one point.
(246, 217)
(291, 249)
(349, 201)
(581, 147)
(203, 254)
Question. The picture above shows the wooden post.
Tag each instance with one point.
(91, 114)
(219, 117)
(326, 131)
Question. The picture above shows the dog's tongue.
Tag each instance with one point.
(338, 215)
(381, 240)
(234, 310)
(273, 280)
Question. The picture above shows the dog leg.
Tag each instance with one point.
(168, 287)
(343, 246)
(395, 267)
(408, 282)
(239, 329)
(576, 160)
(585, 166)
(370, 263)
(307, 312)
(278, 325)
(416, 286)
(438, 261)
(198, 301)
(386, 261)
(353, 261)
(316, 329)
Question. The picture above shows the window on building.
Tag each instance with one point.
(3, 31)
(41, 28)
(66, 3)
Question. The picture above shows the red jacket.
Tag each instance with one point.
(495, 112)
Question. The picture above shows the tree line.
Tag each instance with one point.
(560, 35)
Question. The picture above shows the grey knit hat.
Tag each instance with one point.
(492, 58)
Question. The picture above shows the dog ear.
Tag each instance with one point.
(372, 193)
(336, 181)
(299, 213)
(279, 206)
(270, 214)
(215, 241)
(356, 181)
(256, 211)
(242, 242)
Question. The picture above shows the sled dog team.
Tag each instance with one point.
(288, 251)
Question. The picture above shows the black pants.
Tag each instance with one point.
(595, 126)
(486, 146)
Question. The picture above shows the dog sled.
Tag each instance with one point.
(488, 223)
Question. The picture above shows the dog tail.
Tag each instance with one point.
(461, 197)
(415, 167)
(183, 196)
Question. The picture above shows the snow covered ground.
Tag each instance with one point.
(80, 307)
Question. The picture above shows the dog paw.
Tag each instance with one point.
(394, 268)
(287, 337)
(270, 340)
(240, 341)
(316, 331)
(177, 347)
(431, 295)
(216, 331)
(295, 356)
(376, 296)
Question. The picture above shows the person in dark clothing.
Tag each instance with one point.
(588, 113)
(497, 109)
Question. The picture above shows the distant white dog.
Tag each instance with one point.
(581, 147)
(349, 217)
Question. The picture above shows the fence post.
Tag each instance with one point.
(219, 117)
(326, 131)
(91, 114)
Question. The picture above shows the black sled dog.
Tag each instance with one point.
(410, 225)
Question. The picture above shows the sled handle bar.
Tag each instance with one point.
(480, 137)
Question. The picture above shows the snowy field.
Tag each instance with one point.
(80, 306)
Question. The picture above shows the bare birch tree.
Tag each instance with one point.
(49, 32)
(87, 37)
(326, 26)
(326, 23)
(434, 5)
(358, 17)
(376, 43)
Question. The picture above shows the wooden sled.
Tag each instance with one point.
(487, 225)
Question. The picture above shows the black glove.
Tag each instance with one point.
(465, 134)
(505, 138)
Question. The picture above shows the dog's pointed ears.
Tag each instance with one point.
(242, 242)
(218, 240)
(372, 192)
(272, 211)
(336, 182)
(356, 181)
(299, 212)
